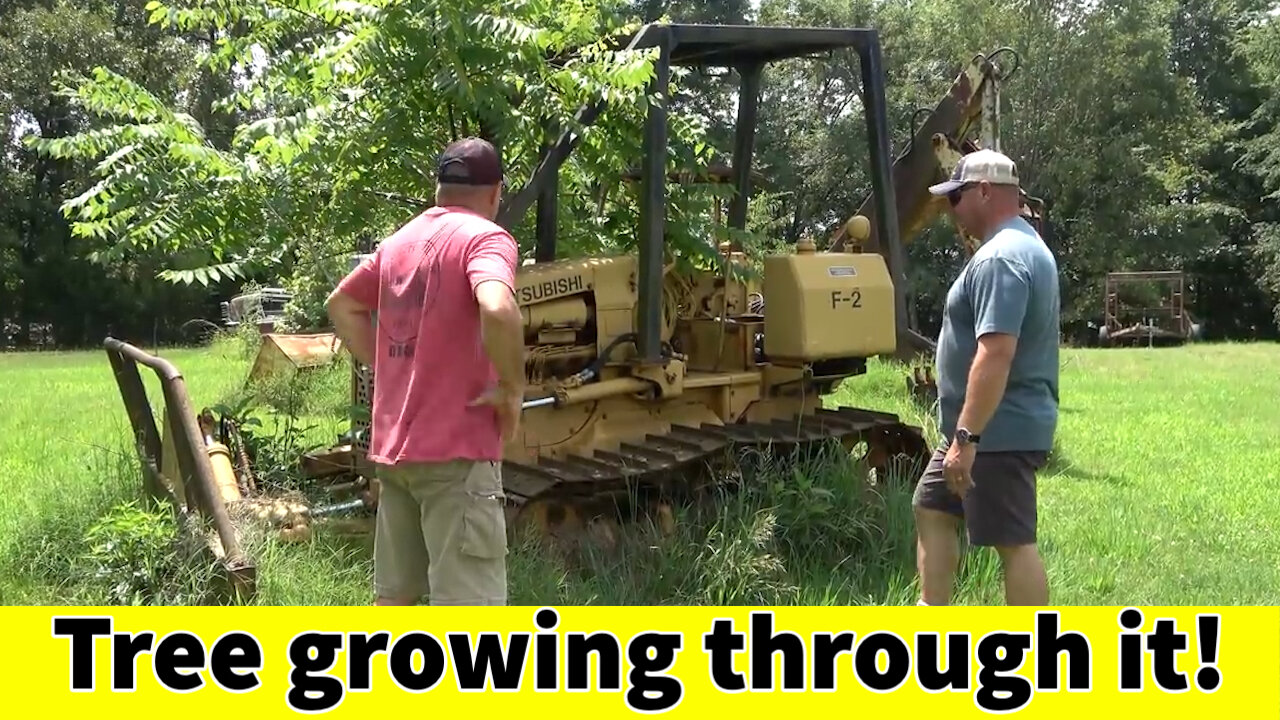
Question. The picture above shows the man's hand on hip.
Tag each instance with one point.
(507, 402)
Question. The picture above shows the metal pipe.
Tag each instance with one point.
(540, 402)
(882, 176)
(706, 380)
(991, 111)
(164, 368)
(188, 438)
(134, 394)
(548, 208)
(335, 508)
(653, 207)
(188, 442)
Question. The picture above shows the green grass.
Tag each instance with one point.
(1158, 493)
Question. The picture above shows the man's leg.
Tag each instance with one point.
(1025, 582)
(937, 554)
(400, 559)
(938, 513)
(464, 524)
(1002, 506)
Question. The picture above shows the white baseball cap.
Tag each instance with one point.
(989, 165)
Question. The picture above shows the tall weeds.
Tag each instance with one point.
(809, 529)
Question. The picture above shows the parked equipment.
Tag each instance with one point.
(264, 308)
(200, 465)
(1156, 316)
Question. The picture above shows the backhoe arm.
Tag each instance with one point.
(935, 148)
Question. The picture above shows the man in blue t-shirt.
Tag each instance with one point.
(997, 368)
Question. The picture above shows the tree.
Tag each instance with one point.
(347, 105)
(50, 290)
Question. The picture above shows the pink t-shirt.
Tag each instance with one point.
(430, 360)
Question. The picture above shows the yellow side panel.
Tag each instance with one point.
(828, 305)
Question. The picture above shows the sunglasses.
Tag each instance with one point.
(955, 196)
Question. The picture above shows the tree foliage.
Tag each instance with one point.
(343, 107)
(180, 147)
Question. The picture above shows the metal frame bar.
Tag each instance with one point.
(1145, 275)
(548, 209)
(197, 478)
(653, 196)
(886, 203)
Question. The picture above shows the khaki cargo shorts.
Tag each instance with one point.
(441, 532)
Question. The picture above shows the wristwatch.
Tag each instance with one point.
(964, 437)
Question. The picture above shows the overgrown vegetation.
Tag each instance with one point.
(1121, 514)
(808, 532)
(108, 546)
(284, 415)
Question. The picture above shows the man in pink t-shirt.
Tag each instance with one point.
(447, 356)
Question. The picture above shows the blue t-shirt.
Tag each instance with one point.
(1010, 285)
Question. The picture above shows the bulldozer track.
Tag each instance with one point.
(661, 463)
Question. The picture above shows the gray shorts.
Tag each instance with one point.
(1000, 508)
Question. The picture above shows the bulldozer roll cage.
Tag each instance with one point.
(745, 49)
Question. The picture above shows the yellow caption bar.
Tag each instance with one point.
(625, 662)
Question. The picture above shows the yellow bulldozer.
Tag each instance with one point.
(641, 373)
(644, 376)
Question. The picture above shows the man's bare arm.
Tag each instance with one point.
(502, 329)
(987, 379)
(353, 325)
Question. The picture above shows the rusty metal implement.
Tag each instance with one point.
(194, 489)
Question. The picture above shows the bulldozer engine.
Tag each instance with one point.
(570, 305)
(579, 311)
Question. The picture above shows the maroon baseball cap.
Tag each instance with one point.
(471, 161)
